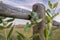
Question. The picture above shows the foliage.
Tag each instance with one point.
(20, 36)
(34, 18)
(2, 37)
(52, 5)
(49, 19)
(9, 34)
(6, 24)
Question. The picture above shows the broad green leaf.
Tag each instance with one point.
(10, 38)
(9, 25)
(48, 12)
(46, 33)
(39, 20)
(49, 19)
(55, 15)
(20, 36)
(29, 17)
(10, 32)
(33, 20)
(2, 27)
(2, 37)
(55, 4)
(10, 20)
(32, 13)
(49, 3)
(27, 27)
(50, 26)
(1, 21)
(51, 33)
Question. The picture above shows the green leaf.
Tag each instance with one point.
(39, 20)
(48, 12)
(49, 3)
(50, 26)
(29, 17)
(2, 37)
(9, 25)
(10, 32)
(32, 13)
(46, 33)
(51, 33)
(20, 36)
(55, 4)
(55, 15)
(49, 19)
(1, 21)
(10, 20)
(2, 27)
(27, 27)
(33, 20)
(10, 38)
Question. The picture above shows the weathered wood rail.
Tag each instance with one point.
(9, 11)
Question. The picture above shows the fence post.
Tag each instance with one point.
(39, 28)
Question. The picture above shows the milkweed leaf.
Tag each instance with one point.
(2, 27)
(9, 25)
(55, 4)
(48, 12)
(49, 3)
(10, 32)
(10, 20)
(39, 20)
(46, 33)
(54, 15)
(20, 36)
(27, 27)
(49, 19)
(1, 21)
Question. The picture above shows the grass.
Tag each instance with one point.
(16, 28)
(55, 36)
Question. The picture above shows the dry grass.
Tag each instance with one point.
(56, 35)
(20, 28)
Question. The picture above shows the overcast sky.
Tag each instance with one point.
(27, 4)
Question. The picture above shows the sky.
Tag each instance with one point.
(27, 4)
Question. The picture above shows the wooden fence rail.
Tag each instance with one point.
(9, 11)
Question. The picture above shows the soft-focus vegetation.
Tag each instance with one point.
(50, 15)
(34, 18)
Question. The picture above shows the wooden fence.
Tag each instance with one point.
(9, 11)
